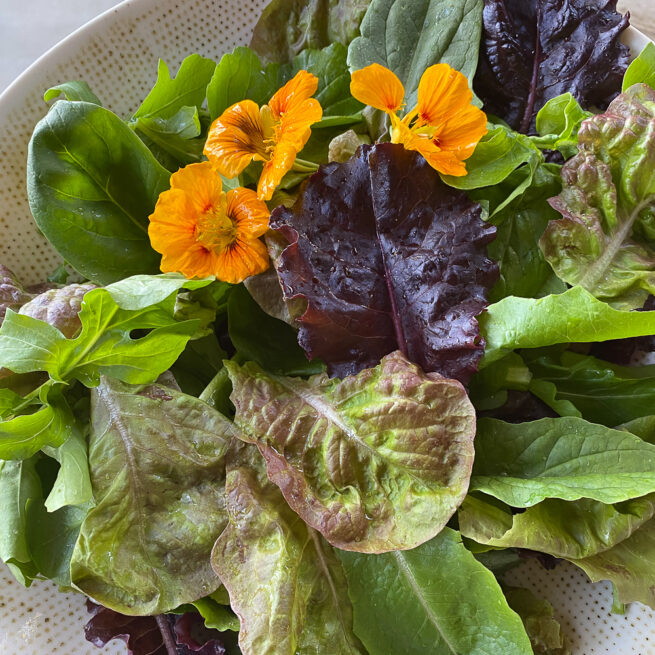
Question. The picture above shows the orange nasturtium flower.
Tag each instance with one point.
(444, 126)
(200, 230)
(273, 134)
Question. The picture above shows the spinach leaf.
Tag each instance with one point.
(562, 318)
(74, 90)
(387, 257)
(535, 50)
(288, 27)
(602, 241)
(570, 530)
(434, 599)
(264, 536)
(600, 391)
(265, 340)
(408, 37)
(642, 69)
(92, 185)
(569, 458)
(374, 462)
(157, 468)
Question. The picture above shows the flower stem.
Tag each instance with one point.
(304, 166)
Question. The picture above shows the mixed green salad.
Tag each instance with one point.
(356, 323)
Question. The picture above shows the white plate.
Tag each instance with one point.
(117, 55)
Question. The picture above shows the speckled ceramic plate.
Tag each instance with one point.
(117, 54)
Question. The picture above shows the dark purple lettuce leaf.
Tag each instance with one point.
(387, 258)
(12, 294)
(535, 50)
(153, 635)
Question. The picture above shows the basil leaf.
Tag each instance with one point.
(435, 599)
(92, 184)
(408, 37)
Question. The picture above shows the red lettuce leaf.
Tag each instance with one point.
(535, 50)
(150, 635)
(387, 258)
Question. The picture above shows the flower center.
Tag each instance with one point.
(269, 124)
(215, 230)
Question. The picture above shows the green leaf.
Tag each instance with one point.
(539, 620)
(601, 392)
(375, 462)
(175, 137)
(500, 152)
(562, 318)
(285, 582)
(73, 483)
(24, 435)
(642, 69)
(521, 217)
(409, 37)
(570, 530)
(628, 566)
(435, 599)
(602, 242)
(187, 89)
(569, 458)
(558, 124)
(92, 184)
(19, 483)
(265, 340)
(157, 468)
(488, 387)
(288, 27)
(216, 615)
(73, 90)
(643, 427)
(9, 399)
(104, 345)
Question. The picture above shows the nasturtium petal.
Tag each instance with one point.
(157, 469)
(602, 242)
(435, 599)
(387, 257)
(375, 462)
(284, 580)
(568, 457)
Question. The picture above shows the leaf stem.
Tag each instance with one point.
(165, 629)
(304, 166)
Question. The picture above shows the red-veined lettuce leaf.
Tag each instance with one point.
(535, 50)
(375, 462)
(387, 258)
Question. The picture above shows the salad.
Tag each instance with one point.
(349, 324)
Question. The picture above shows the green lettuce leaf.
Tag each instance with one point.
(642, 69)
(539, 620)
(157, 468)
(628, 566)
(608, 193)
(288, 27)
(435, 599)
(570, 530)
(561, 318)
(19, 483)
(600, 392)
(90, 200)
(409, 37)
(378, 461)
(285, 582)
(568, 458)
(558, 124)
